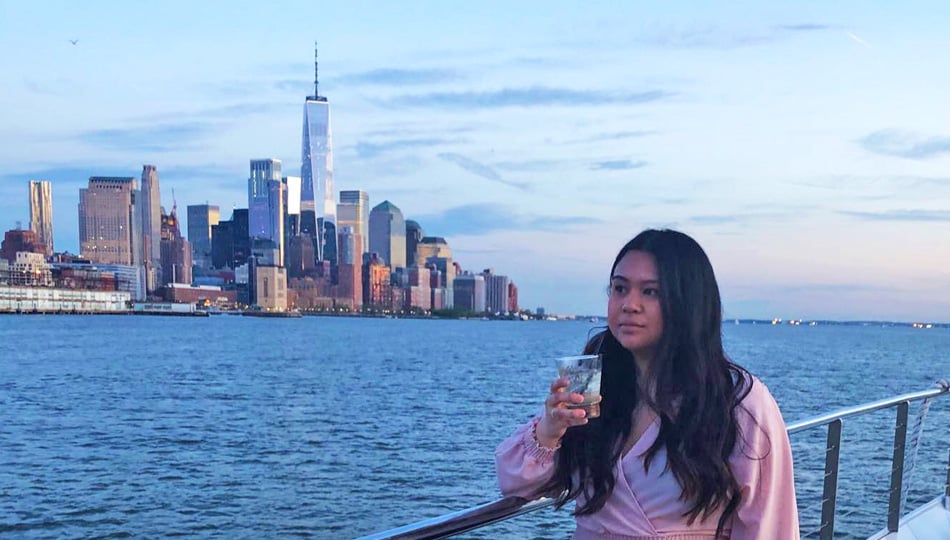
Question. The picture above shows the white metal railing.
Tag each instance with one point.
(479, 516)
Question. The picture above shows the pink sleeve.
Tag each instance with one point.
(762, 464)
(522, 465)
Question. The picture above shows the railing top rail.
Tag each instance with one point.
(803, 425)
(485, 514)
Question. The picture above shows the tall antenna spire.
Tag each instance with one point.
(316, 73)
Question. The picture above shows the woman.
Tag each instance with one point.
(688, 444)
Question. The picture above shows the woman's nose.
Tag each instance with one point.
(631, 305)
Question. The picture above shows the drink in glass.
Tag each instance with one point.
(584, 373)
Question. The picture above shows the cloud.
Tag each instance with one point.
(296, 86)
(927, 216)
(536, 96)
(617, 136)
(890, 142)
(805, 27)
(618, 165)
(151, 138)
(712, 37)
(714, 220)
(479, 169)
(370, 150)
(858, 40)
(484, 218)
(400, 77)
(529, 165)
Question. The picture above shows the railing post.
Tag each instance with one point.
(897, 468)
(830, 493)
(946, 491)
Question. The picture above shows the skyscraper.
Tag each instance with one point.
(230, 244)
(291, 205)
(353, 210)
(109, 225)
(151, 234)
(387, 234)
(201, 217)
(316, 172)
(41, 213)
(266, 207)
(414, 235)
(176, 251)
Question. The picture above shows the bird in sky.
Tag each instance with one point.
(74, 41)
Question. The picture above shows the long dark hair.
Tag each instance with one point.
(697, 390)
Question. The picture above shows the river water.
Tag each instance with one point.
(233, 427)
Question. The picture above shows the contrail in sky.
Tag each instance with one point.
(859, 40)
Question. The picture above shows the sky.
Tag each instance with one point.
(805, 145)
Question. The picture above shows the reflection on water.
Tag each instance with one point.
(319, 427)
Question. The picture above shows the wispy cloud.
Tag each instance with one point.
(805, 27)
(927, 216)
(618, 165)
(531, 165)
(714, 220)
(479, 169)
(617, 136)
(296, 86)
(400, 77)
(858, 40)
(891, 142)
(151, 138)
(371, 150)
(536, 96)
(713, 37)
(222, 113)
(481, 219)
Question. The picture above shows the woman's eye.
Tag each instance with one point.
(618, 289)
(650, 291)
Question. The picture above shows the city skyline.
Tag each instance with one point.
(802, 145)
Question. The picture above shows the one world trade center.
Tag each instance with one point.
(317, 207)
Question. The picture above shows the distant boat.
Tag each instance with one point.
(594, 319)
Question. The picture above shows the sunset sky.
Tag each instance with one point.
(805, 145)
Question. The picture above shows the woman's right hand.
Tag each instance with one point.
(558, 417)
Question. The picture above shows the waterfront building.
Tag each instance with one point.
(201, 217)
(317, 208)
(205, 295)
(387, 234)
(41, 214)
(420, 293)
(82, 274)
(496, 292)
(47, 300)
(151, 228)
(110, 226)
(175, 251)
(469, 292)
(17, 240)
(350, 284)
(377, 288)
(270, 288)
(230, 241)
(512, 297)
(353, 210)
(28, 269)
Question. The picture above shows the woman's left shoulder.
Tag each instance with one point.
(758, 402)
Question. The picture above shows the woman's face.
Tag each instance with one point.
(634, 314)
